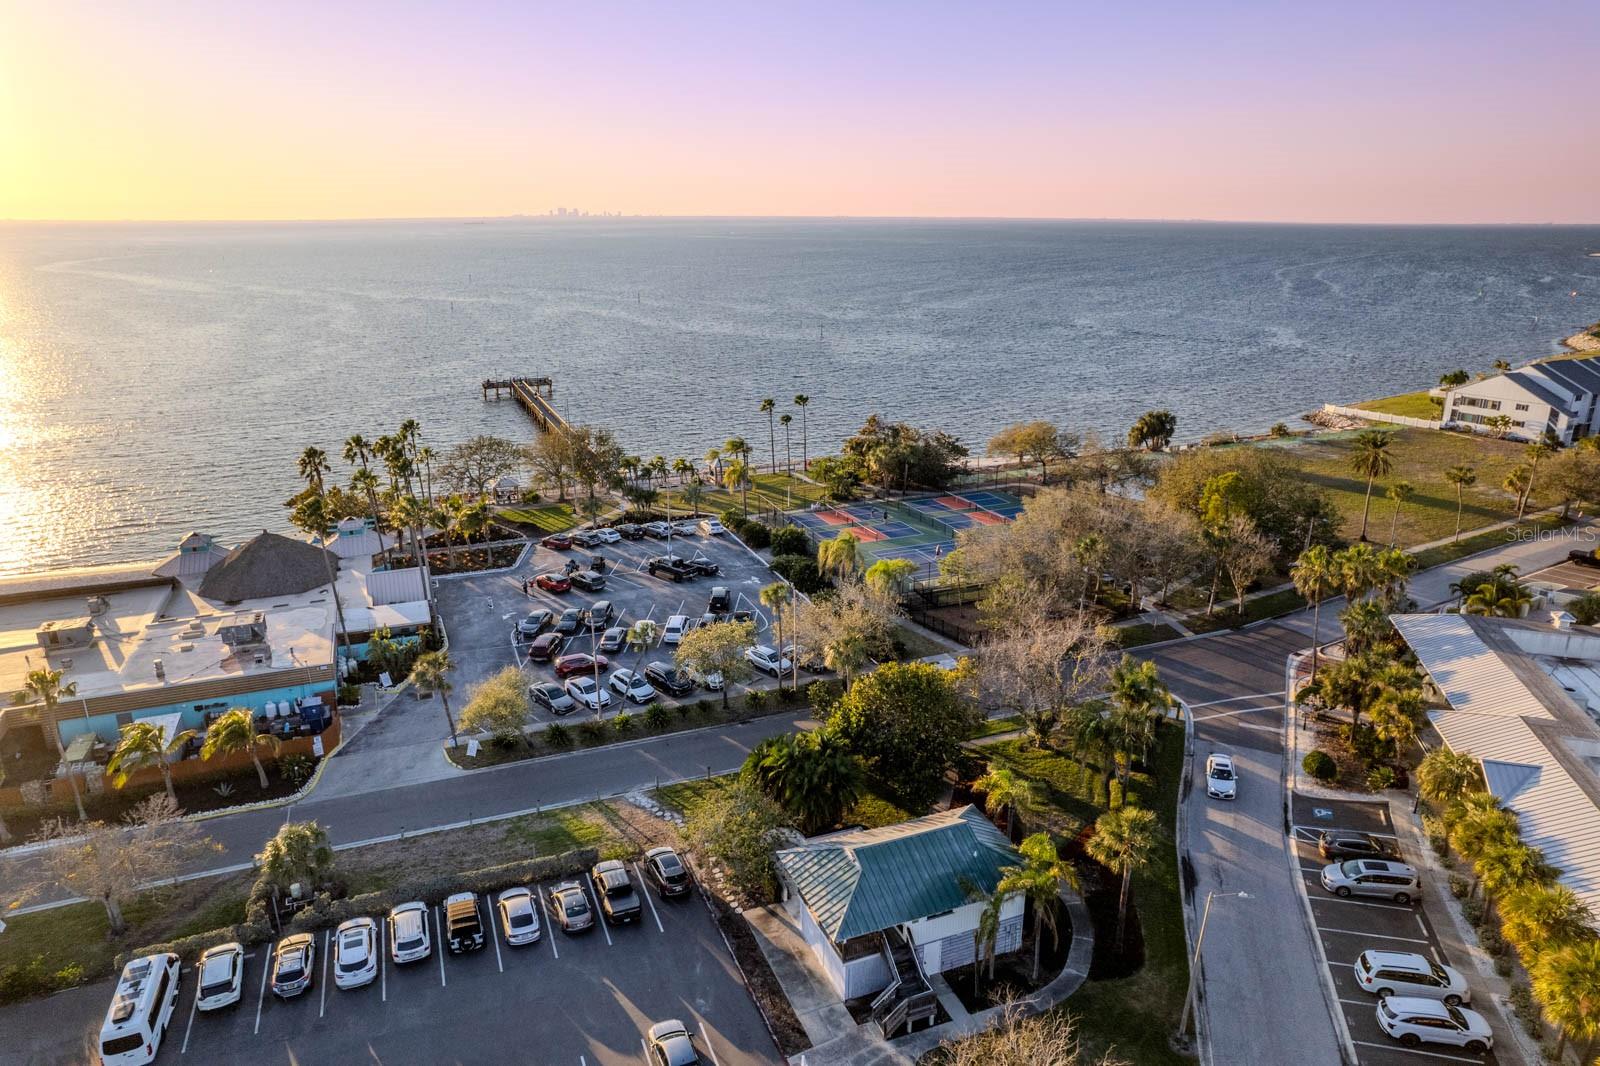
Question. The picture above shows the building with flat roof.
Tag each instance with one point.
(1557, 395)
(1523, 698)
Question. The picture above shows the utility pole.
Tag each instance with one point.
(1194, 963)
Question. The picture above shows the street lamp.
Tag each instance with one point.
(1194, 963)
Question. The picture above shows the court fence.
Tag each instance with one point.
(959, 633)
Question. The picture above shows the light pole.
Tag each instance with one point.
(1194, 963)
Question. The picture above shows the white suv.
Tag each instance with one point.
(767, 660)
(1413, 1021)
(711, 527)
(408, 933)
(1220, 780)
(355, 953)
(1402, 973)
(677, 625)
(220, 974)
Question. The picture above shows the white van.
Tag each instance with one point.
(677, 625)
(141, 1008)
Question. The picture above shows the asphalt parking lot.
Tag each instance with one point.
(584, 999)
(481, 612)
(1347, 927)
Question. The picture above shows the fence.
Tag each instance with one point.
(958, 633)
(1380, 416)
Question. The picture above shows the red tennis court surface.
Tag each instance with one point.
(988, 519)
(956, 503)
(834, 518)
(865, 534)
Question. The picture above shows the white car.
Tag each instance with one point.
(711, 527)
(585, 693)
(355, 953)
(608, 535)
(1402, 973)
(767, 660)
(519, 916)
(632, 686)
(408, 933)
(685, 528)
(656, 529)
(1413, 1021)
(1221, 783)
(711, 682)
(677, 625)
(220, 974)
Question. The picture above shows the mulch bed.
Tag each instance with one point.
(1108, 963)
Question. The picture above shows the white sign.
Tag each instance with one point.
(316, 745)
(384, 680)
(472, 749)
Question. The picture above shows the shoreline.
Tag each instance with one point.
(1586, 339)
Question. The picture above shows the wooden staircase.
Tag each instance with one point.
(909, 998)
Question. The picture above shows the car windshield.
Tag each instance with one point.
(575, 904)
(411, 944)
(670, 865)
(1352, 868)
(1438, 972)
(1222, 773)
(1457, 1017)
(290, 969)
(215, 988)
(217, 968)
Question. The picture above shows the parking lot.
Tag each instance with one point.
(584, 999)
(481, 612)
(1347, 927)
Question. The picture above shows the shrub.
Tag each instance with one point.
(656, 716)
(622, 724)
(1586, 609)
(822, 696)
(755, 699)
(801, 571)
(685, 709)
(1278, 430)
(349, 695)
(1502, 965)
(1526, 1010)
(592, 731)
(296, 769)
(1492, 941)
(705, 708)
(1380, 778)
(733, 518)
(1459, 886)
(1360, 739)
(755, 534)
(1472, 910)
(1114, 794)
(1320, 765)
(791, 540)
(558, 736)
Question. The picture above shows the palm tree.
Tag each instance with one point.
(1004, 791)
(146, 744)
(1358, 570)
(1122, 842)
(694, 495)
(1444, 776)
(1511, 865)
(813, 776)
(1315, 576)
(236, 731)
(44, 686)
(845, 655)
(1394, 718)
(1518, 482)
(1366, 625)
(788, 454)
(1089, 550)
(775, 597)
(1392, 573)
(840, 555)
(429, 675)
(1537, 918)
(426, 456)
(365, 482)
(683, 468)
(1398, 493)
(1500, 366)
(313, 465)
(736, 475)
(1482, 825)
(767, 407)
(1499, 598)
(357, 450)
(1539, 449)
(1370, 457)
(1567, 985)
(986, 933)
(1462, 476)
(1039, 880)
(714, 460)
(802, 401)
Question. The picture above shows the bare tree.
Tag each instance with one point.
(112, 863)
(1048, 1039)
(1244, 553)
(1042, 668)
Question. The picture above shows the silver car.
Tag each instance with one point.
(519, 916)
(1377, 878)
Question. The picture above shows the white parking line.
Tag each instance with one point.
(1358, 1002)
(439, 946)
(194, 1008)
(494, 933)
(1375, 936)
(644, 890)
(322, 1008)
(383, 962)
(262, 995)
(705, 1038)
(549, 927)
(1414, 1051)
(599, 918)
(1359, 903)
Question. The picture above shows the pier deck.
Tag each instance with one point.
(534, 394)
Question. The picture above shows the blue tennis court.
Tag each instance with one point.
(1000, 503)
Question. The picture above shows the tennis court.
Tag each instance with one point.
(922, 529)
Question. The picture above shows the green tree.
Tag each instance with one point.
(839, 476)
(315, 520)
(45, 687)
(738, 829)
(1040, 442)
(986, 933)
(499, 707)
(813, 776)
(1039, 879)
(1567, 985)
(1139, 700)
(736, 478)
(1153, 430)
(1444, 776)
(890, 577)
(718, 649)
(1315, 577)
(784, 420)
(768, 406)
(1399, 493)
(908, 720)
(1499, 598)
(1370, 457)
(839, 556)
(1453, 379)
(776, 598)
(1538, 918)
(430, 675)
(1004, 791)
(299, 853)
(1536, 451)
(1122, 842)
(802, 401)
(144, 744)
(1463, 477)
(236, 731)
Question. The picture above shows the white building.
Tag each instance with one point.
(1524, 700)
(1558, 395)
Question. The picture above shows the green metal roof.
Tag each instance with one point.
(861, 882)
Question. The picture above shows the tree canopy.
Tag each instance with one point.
(908, 721)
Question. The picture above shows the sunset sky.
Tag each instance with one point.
(1396, 111)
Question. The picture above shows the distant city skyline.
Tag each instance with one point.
(1429, 111)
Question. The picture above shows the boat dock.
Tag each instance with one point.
(534, 394)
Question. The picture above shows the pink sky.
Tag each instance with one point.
(1383, 112)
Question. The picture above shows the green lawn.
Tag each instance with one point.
(1471, 545)
(992, 726)
(1420, 457)
(1141, 633)
(913, 645)
(547, 518)
(1225, 617)
(1131, 1017)
(1409, 405)
(767, 492)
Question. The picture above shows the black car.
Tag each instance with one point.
(569, 622)
(618, 901)
(743, 616)
(666, 677)
(703, 568)
(721, 601)
(663, 869)
(1583, 558)
(630, 531)
(669, 569)
(1344, 844)
(588, 580)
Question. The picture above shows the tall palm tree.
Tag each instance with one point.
(775, 597)
(1004, 791)
(365, 482)
(1482, 825)
(1391, 573)
(1567, 985)
(1089, 550)
(357, 450)
(1358, 570)
(429, 674)
(986, 933)
(839, 555)
(1394, 718)
(1122, 842)
(236, 731)
(1398, 493)
(44, 686)
(1517, 482)
(788, 454)
(1370, 457)
(1444, 776)
(736, 475)
(313, 466)
(1535, 451)
(1315, 577)
(767, 407)
(683, 468)
(1039, 879)
(1537, 918)
(425, 457)
(813, 776)
(714, 460)
(1462, 476)
(846, 656)
(145, 744)
(1507, 866)
(802, 401)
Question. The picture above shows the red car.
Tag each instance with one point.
(553, 583)
(581, 663)
(546, 647)
(558, 541)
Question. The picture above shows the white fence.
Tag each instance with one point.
(1380, 416)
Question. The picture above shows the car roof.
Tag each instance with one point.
(1381, 866)
(1219, 757)
(1405, 960)
(607, 866)
(1417, 1005)
(414, 907)
(582, 680)
(350, 924)
(516, 893)
(1345, 834)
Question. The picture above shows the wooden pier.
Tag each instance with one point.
(534, 394)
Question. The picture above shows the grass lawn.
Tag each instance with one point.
(1471, 545)
(1142, 633)
(991, 726)
(548, 518)
(1421, 457)
(913, 645)
(1408, 405)
(1130, 1017)
(1225, 617)
(768, 492)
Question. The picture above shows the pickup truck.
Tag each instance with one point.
(463, 923)
(619, 903)
(670, 569)
(1583, 558)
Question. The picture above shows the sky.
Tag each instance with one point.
(1399, 111)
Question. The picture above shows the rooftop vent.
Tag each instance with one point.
(247, 631)
(161, 670)
(1561, 619)
(66, 633)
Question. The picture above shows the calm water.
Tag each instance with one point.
(155, 379)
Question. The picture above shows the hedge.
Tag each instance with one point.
(323, 911)
(1320, 765)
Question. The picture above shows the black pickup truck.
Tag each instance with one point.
(671, 569)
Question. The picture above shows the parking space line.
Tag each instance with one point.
(322, 1008)
(1415, 1051)
(493, 934)
(1375, 936)
(599, 917)
(194, 1008)
(1316, 831)
(1359, 902)
(266, 968)
(383, 962)
(644, 890)
(438, 940)
(705, 1038)
(545, 910)
(1357, 1002)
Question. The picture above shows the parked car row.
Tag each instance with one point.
(590, 538)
